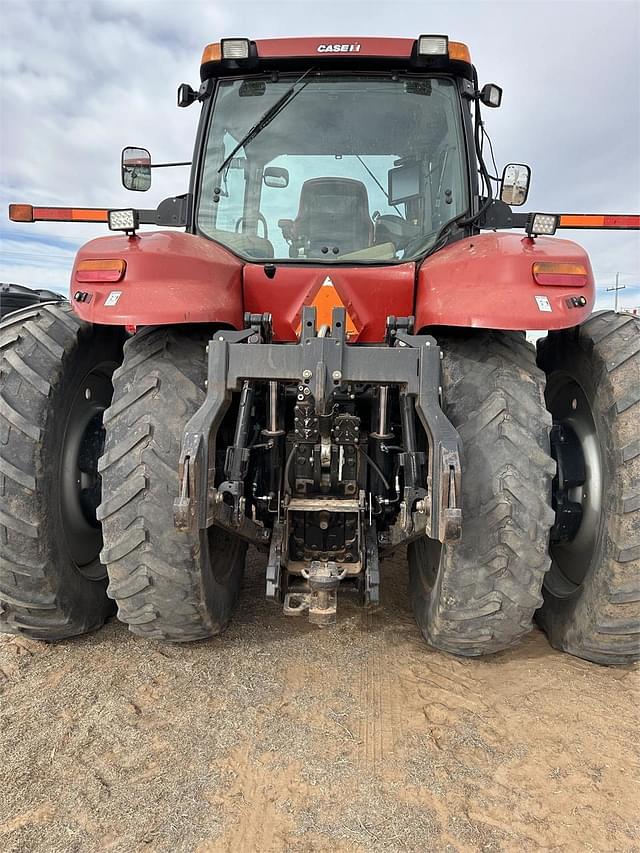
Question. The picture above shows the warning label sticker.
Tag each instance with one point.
(543, 303)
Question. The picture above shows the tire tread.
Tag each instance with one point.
(605, 625)
(489, 585)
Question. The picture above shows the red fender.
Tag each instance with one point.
(486, 281)
(170, 277)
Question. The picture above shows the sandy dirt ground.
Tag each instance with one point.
(278, 736)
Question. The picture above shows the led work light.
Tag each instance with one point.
(433, 45)
(123, 220)
(539, 224)
(235, 48)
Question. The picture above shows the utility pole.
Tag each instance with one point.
(617, 288)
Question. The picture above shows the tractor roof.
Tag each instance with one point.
(233, 57)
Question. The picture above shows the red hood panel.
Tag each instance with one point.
(369, 294)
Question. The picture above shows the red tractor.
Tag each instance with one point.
(323, 355)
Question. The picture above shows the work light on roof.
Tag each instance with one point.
(235, 48)
(433, 45)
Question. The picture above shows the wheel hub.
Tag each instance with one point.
(577, 488)
(567, 452)
(80, 482)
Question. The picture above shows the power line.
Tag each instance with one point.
(616, 289)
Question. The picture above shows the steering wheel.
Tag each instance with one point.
(398, 230)
(261, 220)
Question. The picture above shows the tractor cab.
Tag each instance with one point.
(353, 167)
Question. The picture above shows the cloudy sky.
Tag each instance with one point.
(81, 78)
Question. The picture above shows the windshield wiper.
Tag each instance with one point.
(268, 117)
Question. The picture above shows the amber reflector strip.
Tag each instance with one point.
(28, 213)
(69, 214)
(587, 220)
(109, 269)
(560, 274)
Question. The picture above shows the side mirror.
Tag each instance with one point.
(404, 183)
(514, 187)
(274, 176)
(186, 95)
(136, 169)
(491, 95)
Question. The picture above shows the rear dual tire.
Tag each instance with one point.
(592, 592)
(14, 297)
(55, 382)
(168, 585)
(479, 595)
(58, 548)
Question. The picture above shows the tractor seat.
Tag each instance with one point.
(333, 214)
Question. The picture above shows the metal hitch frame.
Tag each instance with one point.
(321, 602)
(323, 364)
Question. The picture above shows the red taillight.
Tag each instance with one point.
(109, 269)
(560, 274)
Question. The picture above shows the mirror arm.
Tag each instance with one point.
(500, 215)
(171, 212)
(165, 165)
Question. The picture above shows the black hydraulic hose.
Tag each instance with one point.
(287, 468)
(407, 415)
(376, 468)
(483, 168)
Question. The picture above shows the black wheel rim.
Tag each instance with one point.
(571, 561)
(80, 482)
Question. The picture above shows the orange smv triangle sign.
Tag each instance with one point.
(326, 299)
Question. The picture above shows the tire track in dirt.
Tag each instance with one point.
(278, 736)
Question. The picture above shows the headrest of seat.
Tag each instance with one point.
(339, 196)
